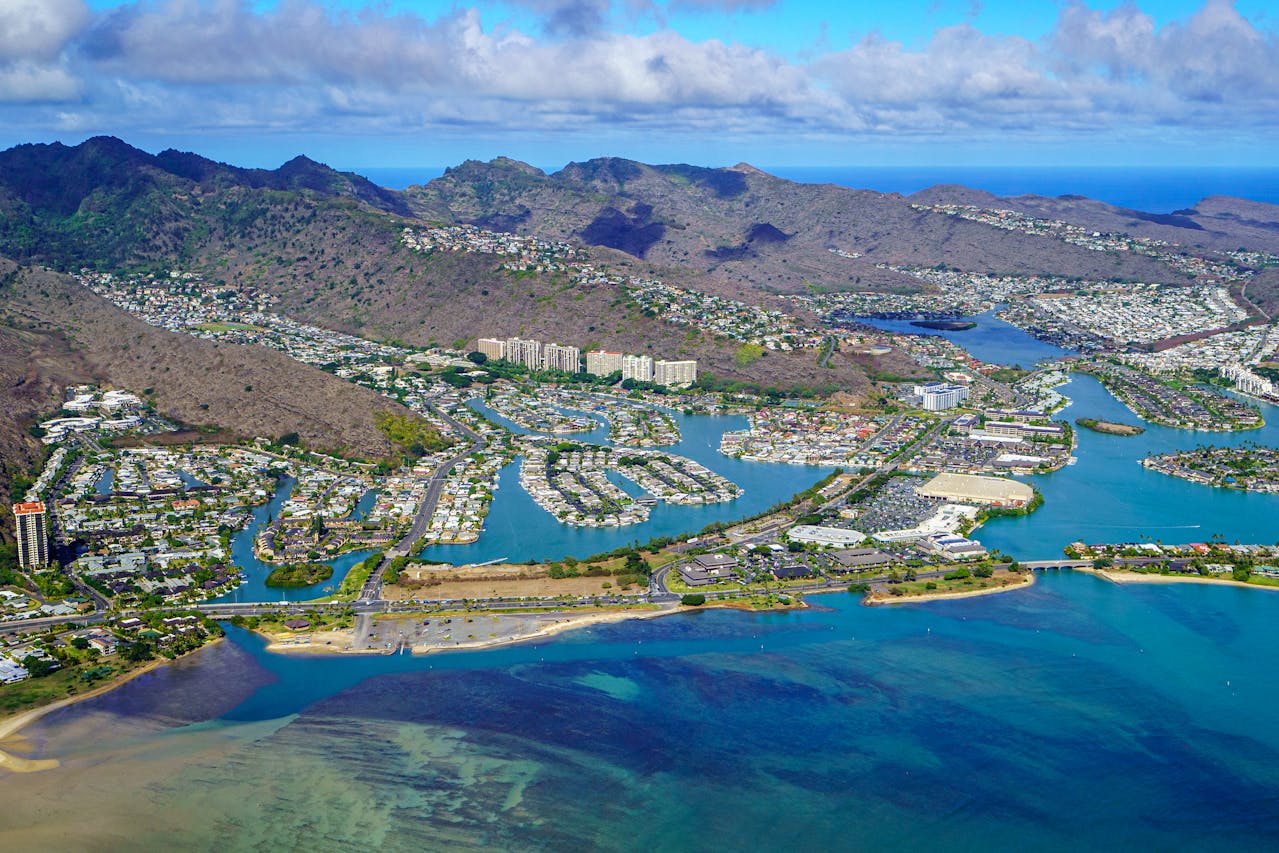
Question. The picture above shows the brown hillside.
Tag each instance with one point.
(748, 230)
(194, 381)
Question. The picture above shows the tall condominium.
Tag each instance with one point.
(936, 396)
(556, 357)
(33, 535)
(602, 363)
(492, 347)
(637, 367)
(675, 372)
(527, 353)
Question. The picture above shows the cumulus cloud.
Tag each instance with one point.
(302, 65)
(34, 35)
(38, 30)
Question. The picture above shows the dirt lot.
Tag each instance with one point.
(501, 581)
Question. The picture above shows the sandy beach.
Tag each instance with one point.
(539, 625)
(1028, 580)
(1122, 577)
(569, 623)
(11, 726)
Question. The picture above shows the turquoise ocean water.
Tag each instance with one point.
(1073, 715)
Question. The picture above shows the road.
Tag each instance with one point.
(373, 586)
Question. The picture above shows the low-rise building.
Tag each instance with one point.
(821, 535)
(970, 488)
(858, 559)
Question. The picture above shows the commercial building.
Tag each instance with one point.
(970, 488)
(1025, 430)
(33, 535)
(637, 367)
(492, 347)
(954, 547)
(707, 568)
(527, 353)
(859, 559)
(556, 357)
(675, 372)
(822, 535)
(602, 363)
(936, 396)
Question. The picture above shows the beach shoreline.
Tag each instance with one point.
(566, 623)
(12, 725)
(1121, 577)
(1028, 580)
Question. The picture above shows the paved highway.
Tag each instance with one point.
(373, 586)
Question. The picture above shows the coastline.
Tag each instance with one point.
(11, 726)
(1122, 577)
(555, 628)
(1028, 580)
(562, 623)
(278, 643)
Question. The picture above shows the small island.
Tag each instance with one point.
(298, 575)
(1110, 427)
(945, 325)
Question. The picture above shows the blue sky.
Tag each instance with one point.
(778, 82)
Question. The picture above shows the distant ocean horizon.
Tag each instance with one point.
(1155, 189)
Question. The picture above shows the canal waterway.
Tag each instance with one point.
(517, 529)
(255, 571)
(992, 340)
(1109, 497)
(994, 723)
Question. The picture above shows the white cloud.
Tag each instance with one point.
(38, 30)
(27, 82)
(302, 66)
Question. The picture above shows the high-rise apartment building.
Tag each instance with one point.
(527, 353)
(556, 357)
(936, 396)
(33, 535)
(492, 347)
(675, 372)
(602, 363)
(637, 367)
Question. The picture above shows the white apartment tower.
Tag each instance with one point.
(492, 347)
(602, 363)
(556, 357)
(527, 353)
(33, 535)
(938, 396)
(674, 373)
(637, 367)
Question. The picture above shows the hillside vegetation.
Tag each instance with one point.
(54, 332)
